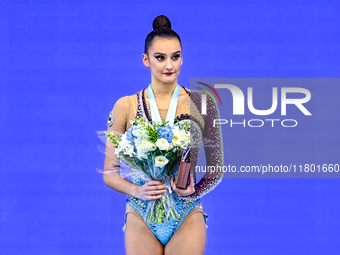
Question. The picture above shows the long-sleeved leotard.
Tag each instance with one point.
(203, 130)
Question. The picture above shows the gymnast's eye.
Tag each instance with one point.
(159, 57)
(177, 56)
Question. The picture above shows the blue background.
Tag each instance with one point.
(63, 64)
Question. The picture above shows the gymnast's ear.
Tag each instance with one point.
(146, 60)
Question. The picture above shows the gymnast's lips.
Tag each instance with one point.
(168, 73)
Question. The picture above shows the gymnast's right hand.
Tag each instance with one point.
(150, 191)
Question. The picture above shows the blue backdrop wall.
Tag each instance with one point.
(63, 64)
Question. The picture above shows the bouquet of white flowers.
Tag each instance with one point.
(151, 152)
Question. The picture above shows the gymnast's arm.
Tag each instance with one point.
(214, 154)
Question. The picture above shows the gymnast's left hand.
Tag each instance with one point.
(183, 192)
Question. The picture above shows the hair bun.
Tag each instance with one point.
(161, 21)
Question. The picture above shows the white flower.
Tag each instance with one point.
(119, 149)
(163, 144)
(161, 161)
(140, 133)
(181, 137)
(128, 149)
(143, 147)
(125, 146)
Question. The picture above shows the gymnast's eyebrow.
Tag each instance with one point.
(165, 54)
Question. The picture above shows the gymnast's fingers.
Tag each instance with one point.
(154, 183)
(154, 192)
(172, 181)
(174, 187)
(153, 197)
(191, 180)
(156, 187)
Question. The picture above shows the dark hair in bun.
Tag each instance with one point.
(162, 28)
(161, 21)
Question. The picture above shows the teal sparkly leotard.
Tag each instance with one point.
(163, 231)
(185, 206)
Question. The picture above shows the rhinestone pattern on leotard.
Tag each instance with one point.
(164, 231)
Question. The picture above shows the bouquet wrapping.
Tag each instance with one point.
(149, 151)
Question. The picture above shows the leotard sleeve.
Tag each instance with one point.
(214, 154)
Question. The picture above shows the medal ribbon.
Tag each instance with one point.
(170, 116)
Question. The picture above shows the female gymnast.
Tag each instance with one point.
(187, 234)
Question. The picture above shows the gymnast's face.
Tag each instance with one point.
(164, 59)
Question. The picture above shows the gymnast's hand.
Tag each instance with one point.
(183, 192)
(150, 191)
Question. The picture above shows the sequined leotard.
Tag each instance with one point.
(189, 108)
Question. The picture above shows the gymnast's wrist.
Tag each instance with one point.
(134, 190)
